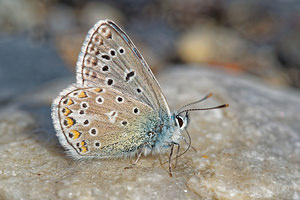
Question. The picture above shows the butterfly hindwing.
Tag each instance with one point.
(101, 122)
(109, 58)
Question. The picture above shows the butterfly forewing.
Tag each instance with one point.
(109, 58)
(101, 122)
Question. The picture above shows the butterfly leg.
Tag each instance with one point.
(170, 160)
(177, 154)
(137, 159)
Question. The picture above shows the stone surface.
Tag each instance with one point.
(247, 151)
(220, 46)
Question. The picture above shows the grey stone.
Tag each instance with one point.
(247, 151)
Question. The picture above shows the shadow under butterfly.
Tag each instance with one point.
(116, 108)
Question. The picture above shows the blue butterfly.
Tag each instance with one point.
(116, 108)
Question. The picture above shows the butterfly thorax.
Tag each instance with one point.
(167, 132)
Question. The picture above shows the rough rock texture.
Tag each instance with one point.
(247, 151)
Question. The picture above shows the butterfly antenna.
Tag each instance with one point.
(188, 110)
(211, 108)
(198, 101)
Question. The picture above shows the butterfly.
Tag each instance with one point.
(116, 108)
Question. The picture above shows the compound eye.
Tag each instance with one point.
(180, 121)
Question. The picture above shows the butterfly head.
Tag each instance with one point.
(181, 120)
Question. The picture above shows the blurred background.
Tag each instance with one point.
(256, 37)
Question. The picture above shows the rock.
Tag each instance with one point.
(289, 51)
(262, 21)
(247, 151)
(220, 46)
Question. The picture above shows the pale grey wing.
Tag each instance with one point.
(109, 58)
(101, 122)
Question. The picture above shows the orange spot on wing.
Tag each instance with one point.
(98, 90)
(83, 149)
(82, 94)
(205, 156)
(67, 111)
(70, 102)
(70, 121)
(76, 134)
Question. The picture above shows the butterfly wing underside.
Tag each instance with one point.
(115, 101)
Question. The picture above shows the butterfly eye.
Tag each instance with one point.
(180, 121)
